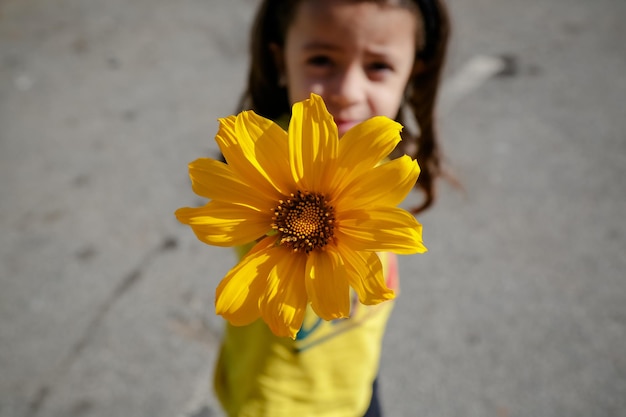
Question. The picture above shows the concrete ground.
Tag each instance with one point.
(519, 308)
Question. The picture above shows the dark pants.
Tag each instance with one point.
(374, 408)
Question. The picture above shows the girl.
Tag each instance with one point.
(365, 58)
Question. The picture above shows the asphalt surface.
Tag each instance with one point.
(518, 309)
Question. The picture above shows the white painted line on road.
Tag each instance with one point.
(469, 78)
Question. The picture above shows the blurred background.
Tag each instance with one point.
(106, 303)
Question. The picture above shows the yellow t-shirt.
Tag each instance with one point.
(327, 371)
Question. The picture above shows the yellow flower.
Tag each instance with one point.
(318, 208)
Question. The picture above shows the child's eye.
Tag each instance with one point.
(379, 66)
(379, 70)
(319, 61)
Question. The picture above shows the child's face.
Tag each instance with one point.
(357, 55)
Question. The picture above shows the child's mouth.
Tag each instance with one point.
(343, 125)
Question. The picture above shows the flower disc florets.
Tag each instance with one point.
(305, 221)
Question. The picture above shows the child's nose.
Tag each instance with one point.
(350, 86)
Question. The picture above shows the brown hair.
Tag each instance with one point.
(265, 95)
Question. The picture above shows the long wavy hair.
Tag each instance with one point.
(266, 96)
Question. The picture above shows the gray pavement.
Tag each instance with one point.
(519, 308)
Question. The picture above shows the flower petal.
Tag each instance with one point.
(313, 144)
(384, 185)
(285, 299)
(224, 224)
(380, 230)
(365, 275)
(363, 147)
(237, 146)
(271, 150)
(237, 295)
(327, 285)
(215, 180)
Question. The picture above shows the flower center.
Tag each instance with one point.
(304, 222)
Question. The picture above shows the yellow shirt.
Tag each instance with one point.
(327, 371)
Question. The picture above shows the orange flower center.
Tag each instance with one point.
(304, 222)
